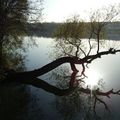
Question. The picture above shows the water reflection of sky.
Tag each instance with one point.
(107, 67)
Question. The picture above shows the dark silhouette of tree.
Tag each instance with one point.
(14, 15)
(70, 34)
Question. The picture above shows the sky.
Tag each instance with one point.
(60, 10)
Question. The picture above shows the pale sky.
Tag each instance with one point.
(60, 10)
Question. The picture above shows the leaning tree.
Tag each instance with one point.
(74, 50)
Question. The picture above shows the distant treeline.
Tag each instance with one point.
(48, 29)
(42, 29)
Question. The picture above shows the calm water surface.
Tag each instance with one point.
(41, 105)
(107, 67)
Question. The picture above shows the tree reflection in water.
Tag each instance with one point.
(13, 97)
(78, 105)
(71, 44)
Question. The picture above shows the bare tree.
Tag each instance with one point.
(99, 19)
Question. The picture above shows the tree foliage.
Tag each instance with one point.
(14, 15)
(72, 28)
(69, 35)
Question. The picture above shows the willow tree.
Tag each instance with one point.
(12, 21)
(70, 34)
(69, 37)
(14, 15)
(86, 50)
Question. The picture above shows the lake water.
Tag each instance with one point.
(41, 105)
(107, 67)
